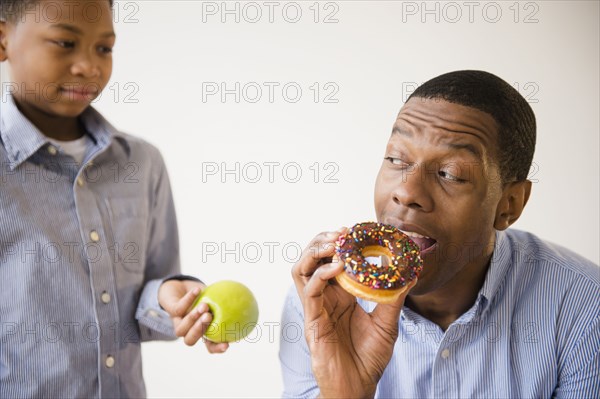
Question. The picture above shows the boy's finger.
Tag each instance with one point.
(198, 329)
(185, 324)
(181, 306)
(176, 322)
(214, 347)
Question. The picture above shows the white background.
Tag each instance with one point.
(371, 53)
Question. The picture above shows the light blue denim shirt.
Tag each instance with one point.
(533, 332)
(83, 251)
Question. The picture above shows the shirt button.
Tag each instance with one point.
(52, 150)
(445, 353)
(152, 313)
(94, 236)
(110, 361)
(80, 181)
(105, 297)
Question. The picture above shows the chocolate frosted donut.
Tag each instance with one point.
(383, 283)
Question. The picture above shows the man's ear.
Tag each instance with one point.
(514, 198)
(3, 40)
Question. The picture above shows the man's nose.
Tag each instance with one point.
(413, 191)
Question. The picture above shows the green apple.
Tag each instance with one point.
(234, 310)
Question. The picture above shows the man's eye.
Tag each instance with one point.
(447, 176)
(396, 161)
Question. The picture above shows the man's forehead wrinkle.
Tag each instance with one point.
(440, 131)
(466, 125)
(440, 134)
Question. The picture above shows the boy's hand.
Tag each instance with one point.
(349, 347)
(176, 298)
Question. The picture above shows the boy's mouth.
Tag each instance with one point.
(426, 244)
(78, 94)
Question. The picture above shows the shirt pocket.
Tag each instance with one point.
(129, 228)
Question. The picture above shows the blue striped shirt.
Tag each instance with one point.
(83, 250)
(533, 332)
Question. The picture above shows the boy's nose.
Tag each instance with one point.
(86, 68)
(412, 191)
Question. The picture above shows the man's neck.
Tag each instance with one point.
(446, 304)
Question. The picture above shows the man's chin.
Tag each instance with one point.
(430, 256)
(426, 281)
(419, 290)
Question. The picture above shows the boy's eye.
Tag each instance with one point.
(64, 43)
(105, 50)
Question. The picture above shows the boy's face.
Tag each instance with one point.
(59, 54)
(440, 180)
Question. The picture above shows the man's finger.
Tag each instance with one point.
(387, 315)
(313, 299)
(322, 246)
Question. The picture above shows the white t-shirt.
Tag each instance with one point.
(75, 148)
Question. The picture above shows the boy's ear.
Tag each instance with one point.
(3, 38)
(514, 198)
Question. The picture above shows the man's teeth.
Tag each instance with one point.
(413, 234)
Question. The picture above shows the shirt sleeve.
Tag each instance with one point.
(162, 260)
(155, 323)
(294, 355)
(579, 377)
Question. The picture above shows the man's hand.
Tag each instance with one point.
(176, 298)
(349, 347)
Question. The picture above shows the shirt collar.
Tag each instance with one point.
(22, 138)
(499, 265)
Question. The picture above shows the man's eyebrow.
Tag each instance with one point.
(464, 146)
(401, 132)
(77, 31)
(455, 146)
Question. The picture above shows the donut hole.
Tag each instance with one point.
(376, 255)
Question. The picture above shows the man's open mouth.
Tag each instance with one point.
(426, 244)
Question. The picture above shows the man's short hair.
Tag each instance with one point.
(489, 93)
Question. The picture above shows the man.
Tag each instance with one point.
(495, 312)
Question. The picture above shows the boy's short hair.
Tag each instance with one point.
(13, 10)
(489, 93)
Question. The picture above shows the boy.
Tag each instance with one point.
(495, 313)
(88, 244)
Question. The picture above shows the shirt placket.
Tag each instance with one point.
(102, 280)
(444, 372)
